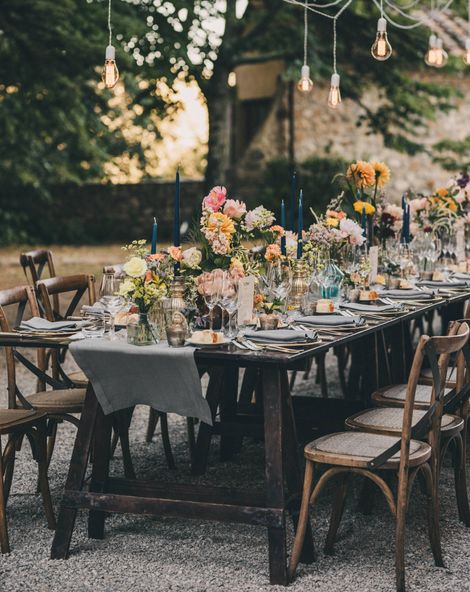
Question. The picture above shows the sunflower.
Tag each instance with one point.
(359, 206)
(361, 173)
(382, 173)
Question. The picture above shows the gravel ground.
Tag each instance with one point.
(161, 554)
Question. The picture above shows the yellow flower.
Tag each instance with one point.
(442, 192)
(451, 205)
(221, 222)
(382, 173)
(364, 205)
(332, 222)
(135, 267)
(361, 173)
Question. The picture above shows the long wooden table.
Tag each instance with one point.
(283, 463)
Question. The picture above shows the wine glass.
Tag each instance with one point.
(229, 300)
(279, 282)
(211, 290)
(110, 298)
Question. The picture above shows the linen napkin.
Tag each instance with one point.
(329, 320)
(38, 324)
(459, 275)
(407, 294)
(444, 284)
(357, 306)
(280, 336)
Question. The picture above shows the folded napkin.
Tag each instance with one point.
(407, 294)
(368, 307)
(459, 275)
(96, 309)
(329, 320)
(38, 324)
(444, 284)
(281, 336)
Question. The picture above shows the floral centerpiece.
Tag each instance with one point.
(226, 226)
(362, 185)
(437, 212)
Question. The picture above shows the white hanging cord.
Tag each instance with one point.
(381, 8)
(109, 23)
(305, 32)
(334, 45)
(468, 14)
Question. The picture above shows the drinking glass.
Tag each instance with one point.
(94, 327)
(279, 282)
(211, 291)
(229, 300)
(111, 299)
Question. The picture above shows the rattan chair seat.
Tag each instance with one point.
(59, 401)
(78, 377)
(356, 449)
(389, 420)
(10, 419)
(395, 395)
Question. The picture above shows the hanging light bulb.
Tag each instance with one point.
(441, 54)
(305, 83)
(381, 49)
(334, 97)
(431, 55)
(110, 73)
(466, 56)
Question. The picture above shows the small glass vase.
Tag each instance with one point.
(142, 331)
(331, 281)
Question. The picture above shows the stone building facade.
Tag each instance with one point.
(301, 126)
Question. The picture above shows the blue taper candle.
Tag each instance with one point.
(293, 193)
(300, 226)
(408, 223)
(176, 227)
(364, 222)
(283, 224)
(153, 249)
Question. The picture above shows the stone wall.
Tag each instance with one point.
(320, 131)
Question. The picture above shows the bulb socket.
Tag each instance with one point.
(382, 25)
(439, 43)
(110, 53)
(305, 72)
(432, 41)
(335, 79)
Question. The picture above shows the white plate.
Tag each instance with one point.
(196, 343)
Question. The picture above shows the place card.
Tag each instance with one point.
(246, 294)
(374, 263)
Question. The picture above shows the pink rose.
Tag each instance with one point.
(234, 209)
(175, 253)
(418, 204)
(215, 199)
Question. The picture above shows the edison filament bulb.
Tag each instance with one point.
(305, 83)
(334, 97)
(381, 49)
(110, 73)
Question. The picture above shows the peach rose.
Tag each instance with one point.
(234, 209)
(175, 253)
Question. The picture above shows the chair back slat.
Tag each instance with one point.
(79, 284)
(20, 297)
(35, 262)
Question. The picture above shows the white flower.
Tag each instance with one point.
(191, 258)
(135, 267)
(126, 287)
(259, 218)
(352, 230)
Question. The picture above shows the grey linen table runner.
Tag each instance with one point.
(125, 375)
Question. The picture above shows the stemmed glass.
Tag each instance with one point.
(229, 300)
(211, 291)
(111, 300)
(279, 282)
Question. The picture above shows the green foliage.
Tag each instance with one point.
(453, 155)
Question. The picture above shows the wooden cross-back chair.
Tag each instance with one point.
(373, 455)
(35, 263)
(21, 418)
(81, 285)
